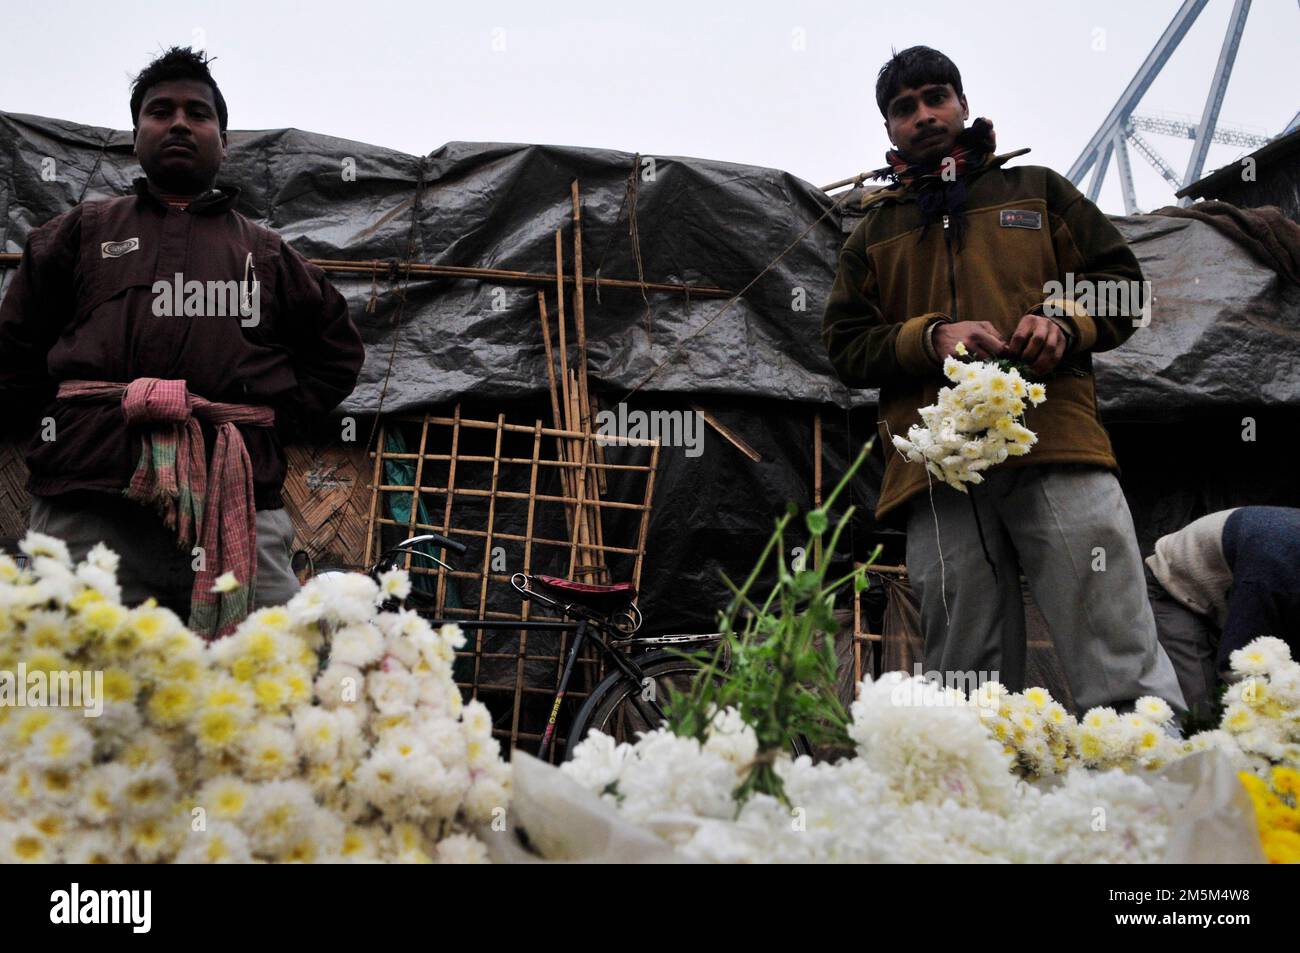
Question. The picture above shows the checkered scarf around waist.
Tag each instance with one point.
(215, 507)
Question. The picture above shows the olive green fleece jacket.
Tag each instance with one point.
(1026, 228)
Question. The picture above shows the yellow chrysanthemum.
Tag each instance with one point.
(1281, 847)
(229, 800)
(355, 841)
(53, 826)
(104, 617)
(119, 685)
(299, 689)
(87, 597)
(1090, 745)
(31, 722)
(271, 693)
(303, 851)
(30, 849)
(172, 704)
(218, 728)
(46, 661)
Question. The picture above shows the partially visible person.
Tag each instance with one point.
(1220, 582)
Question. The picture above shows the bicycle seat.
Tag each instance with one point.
(602, 599)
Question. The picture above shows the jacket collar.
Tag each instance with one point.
(900, 193)
(212, 202)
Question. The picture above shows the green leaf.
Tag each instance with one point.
(817, 521)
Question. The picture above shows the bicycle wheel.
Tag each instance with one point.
(611, 708)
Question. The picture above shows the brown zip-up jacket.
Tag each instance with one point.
(1025, 227)
(82, 306)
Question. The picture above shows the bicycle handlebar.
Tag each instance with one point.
(435, 539)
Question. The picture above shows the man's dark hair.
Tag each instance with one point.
(916, 66)
(179, 62)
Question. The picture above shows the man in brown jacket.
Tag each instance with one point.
(1009, 262)
(154, 351)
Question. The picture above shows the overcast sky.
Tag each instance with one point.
(788, 85)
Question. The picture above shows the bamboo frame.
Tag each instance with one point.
(863, 639)
(490, 496)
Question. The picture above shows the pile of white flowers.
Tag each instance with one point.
(975, 424)
(942, 776)
(1260, 726)
(322, 730)
(929, 784)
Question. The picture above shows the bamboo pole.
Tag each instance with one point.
(559, 316)
(374, 498)
(580, 321)
(556, 418)
(451, 493)
(728, 434)
(374, 266)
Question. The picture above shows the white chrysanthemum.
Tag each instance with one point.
(317, 733)
(359, 645)
(63, 743)
(100, 579)
(218, 843)
(597, 761)
(281, 813)
(930, 747)
(93, 847)
(102, 788)
(485, 800)
(1154, 709)
(731, 738)
(36, 544)
(392, 692)
(393, 584)
(21, 842)
(477, 719)
(225, 798)
(340, 685)
(148, 790)
(398, 646)
(460, 849)
(1261, 656)
(268, 751)
(453, 635)
(337, 598)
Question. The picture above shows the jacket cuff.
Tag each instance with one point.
(1071, 336)
(910, 346)
(1075, 317)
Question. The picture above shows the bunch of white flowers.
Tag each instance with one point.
(975, 424)
(322, 730)
(1261, 718)
(929, 784)
(1260, 726)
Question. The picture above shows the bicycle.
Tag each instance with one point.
(624, 703)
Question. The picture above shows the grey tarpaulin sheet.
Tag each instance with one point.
(1223, 335)
(1214, 338)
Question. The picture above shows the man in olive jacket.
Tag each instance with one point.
(963, 250)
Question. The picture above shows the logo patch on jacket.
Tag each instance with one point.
(1020, 218)
(118, 249)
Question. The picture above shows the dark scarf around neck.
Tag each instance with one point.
(939, 186)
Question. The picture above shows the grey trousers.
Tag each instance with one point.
(1068, 527)
(151, 564)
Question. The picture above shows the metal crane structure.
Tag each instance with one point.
(1121, 126)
